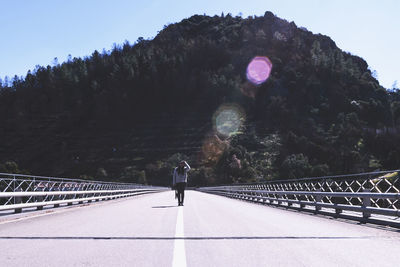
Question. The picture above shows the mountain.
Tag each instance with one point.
(131, 113)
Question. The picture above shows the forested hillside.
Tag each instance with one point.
(131, 113)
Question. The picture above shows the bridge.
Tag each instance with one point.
(350, 220)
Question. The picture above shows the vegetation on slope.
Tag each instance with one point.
(129, 114)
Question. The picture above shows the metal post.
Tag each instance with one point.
(338, 211)
(262, 198)
(59, 197)
(366, 203)
(17, 200)
(318, 199)
(40, 198)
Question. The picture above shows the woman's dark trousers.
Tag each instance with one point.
(181, 192)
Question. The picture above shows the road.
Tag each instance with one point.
(209, 230)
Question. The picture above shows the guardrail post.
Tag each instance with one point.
(258, 197)
(318, 199)
(262, 198)
(277, 199)
(338, 211)
(40, 199)
(17, 200)
(255, 197)
(366, 203)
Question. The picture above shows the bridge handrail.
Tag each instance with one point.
(320, 178)
(20, 191)
(366, 193)
(312, 193)
(60, 193)
(17, 176)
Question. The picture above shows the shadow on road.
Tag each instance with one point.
(185, 238)
(164, 207)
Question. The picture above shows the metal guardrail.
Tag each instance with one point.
(363, 195)
(19, 192)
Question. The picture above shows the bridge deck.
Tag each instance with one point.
(208, 231)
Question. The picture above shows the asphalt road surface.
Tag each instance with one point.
(209, 230)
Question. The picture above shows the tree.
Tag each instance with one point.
(295, 166)
(132, 175)
(10, 167)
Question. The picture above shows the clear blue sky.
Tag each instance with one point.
(34, 32)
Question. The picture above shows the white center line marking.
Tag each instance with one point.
(179, 258)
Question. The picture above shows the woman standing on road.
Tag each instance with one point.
(179, 180)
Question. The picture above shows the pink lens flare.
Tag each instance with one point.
(258, 70)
